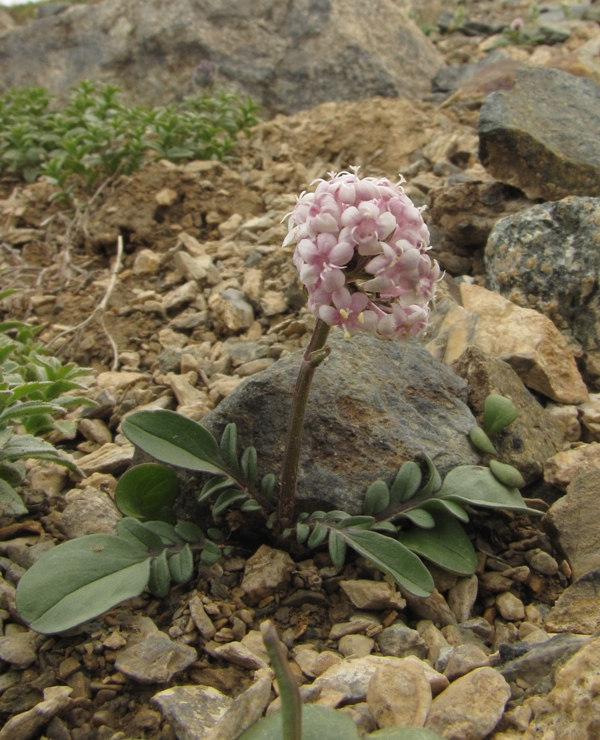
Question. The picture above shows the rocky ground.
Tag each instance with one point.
(172, 286)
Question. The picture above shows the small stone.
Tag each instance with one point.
(181, 296)
(245, 710)
(470, 707)
(146, 262)
(273, 303)
(463, 659)
(95, 430)
(156, 659)
(542, 561)
(90, 511)
(28, 724)
(399, 695)
(110, 458)
(356, 646)
(267, 572)
(254, 366)
(19, 649)
(462, 596)
(166, 197)
(200, 268)
(358, 624)
(577, 609)
(115, 641)
(201, 619)
(398, 640)
(236, 652)
(510, 606)
(365, 594)
(230, 310)
(560, 470)
(191, 710)
(324, 661)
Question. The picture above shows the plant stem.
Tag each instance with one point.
(313, 356)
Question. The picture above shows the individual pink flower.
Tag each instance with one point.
(361, 252)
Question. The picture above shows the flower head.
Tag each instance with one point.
(361, 251)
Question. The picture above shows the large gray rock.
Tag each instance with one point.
(373, 405)
(289, 55)
(541, 136)
(548, 258)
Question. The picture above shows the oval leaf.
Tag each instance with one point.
(420, 517)
(337, 548)
(377, 498)
(79, 580)
(228, 447)
(392, 558)
(172, 438)
(446, 545)
(407, 482)
(139, 534)
(434, 481)
(450, 506)
(159, 583)
(507, 474)
(181, 565)
(481, 441)
(476, 485)
(498, 413)
(318, 535)
(189, 531)
(227, 499)
(318, 723)
(302, 532)
(145, 491)
(249, 464)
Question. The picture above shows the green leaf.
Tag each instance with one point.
(358, 521)
(392, 558)
(189, 532)
(507, 474)
(79, 580)
(226, 500)
(420, 517)
(146, 490)
(249, 506)
(450, 506)
(385, 526)
(12, 473)
(407, 482)
(228, 448)
(337, 548)
(11, 504)
(166, 532)
(377, 498)
(249, 464)
(446, 545)
(498, 413)
(159, 583)
(318, 723)
(23, 446)
(139, 534)
(302, 532)
(181, 565)
(318, 535)
(174, 439)
(481, 441)
(210, 553)
(267, 485)
(477, 486)
(215, 485)
(434, 481)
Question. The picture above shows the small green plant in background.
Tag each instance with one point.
(94, 135)
(34, 394)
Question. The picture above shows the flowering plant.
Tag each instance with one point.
(361, 251)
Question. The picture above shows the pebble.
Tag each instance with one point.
(510, 606)
(267, 572)
(356, 646)
(577, 609)
(399, 695)
(20, 649)
(377, 595)
(470, 707)
(398, 640)
(156, 659)
(191, 710)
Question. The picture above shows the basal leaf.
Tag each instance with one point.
(302, 532)
(159, 583)
(174, 439)
(210, 553)
(249, 464)
(228, 447)
(477, 486)
(181, 565)
(166, 531)
(481, 441)
(11, 504)
(318, 723)
(392, 558)
(434, 481)
(227, 499)
(146, 490)
(190, 532)
(407, 482)
(215, 485)
(139, 534)
(446, 545)
(447, 505)
(318, 535)
(79, 580)
(508, 475)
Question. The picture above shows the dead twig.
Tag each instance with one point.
(100, 309)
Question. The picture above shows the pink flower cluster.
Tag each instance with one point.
(361, 251)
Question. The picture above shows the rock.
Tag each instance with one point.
(110, 458)
(399, 695)
(535, 435)
(236, 652)
(20, 649)
(562, 468)
(399, 641)
(90, 511)
(156, 659)
(463, 659)
(201, 619)
(275, 51)
(199, 268)
(28, 724)
(366, 594)
(267, 572)
(528, 341)
(372, 406)
(533, 137)
(355, 646)
(510, 606)
(571, 708)
(146, 262)
(192, 710)
(245, 710)
(230, 310)
(573, 521)
(462, 596)
(590, 417)
(577, 608)
(547, 257)
(434, 607)
(180, 296)
(470, 707)
(351, 678)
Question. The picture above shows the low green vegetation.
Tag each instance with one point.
(94, 135)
